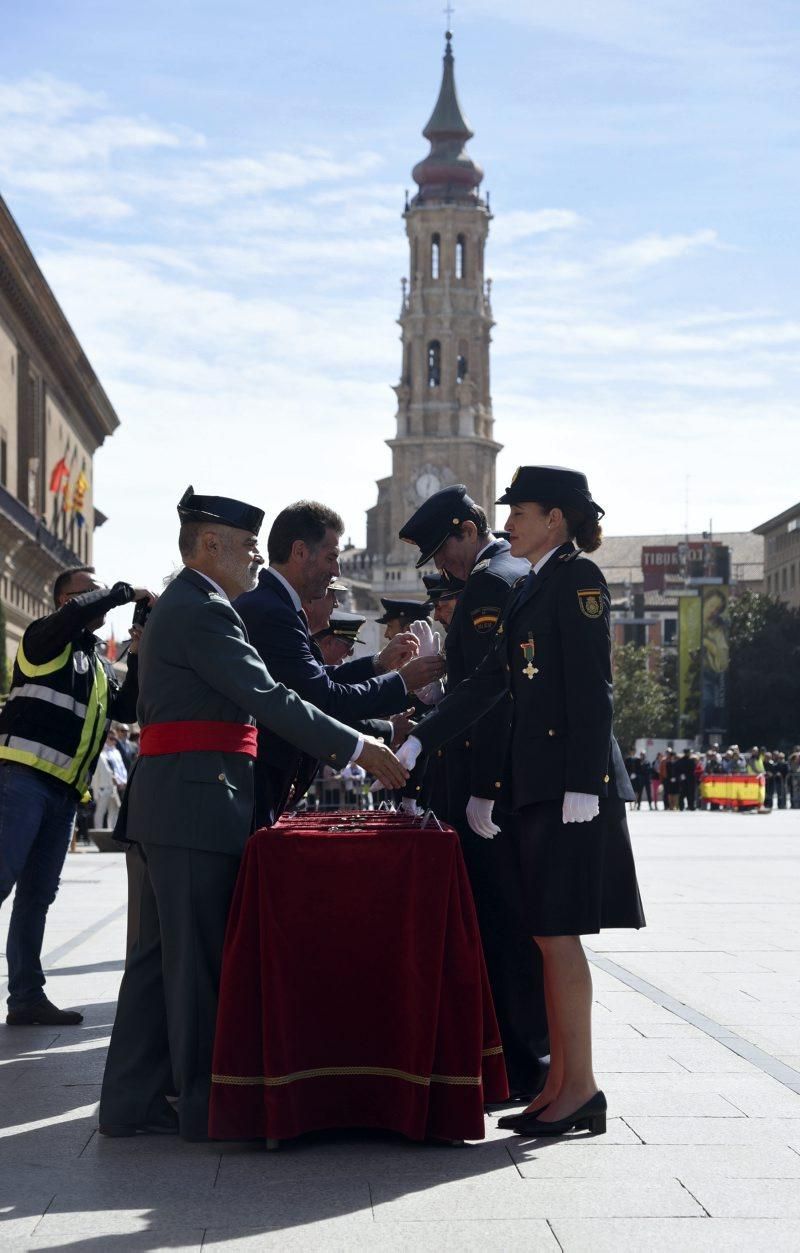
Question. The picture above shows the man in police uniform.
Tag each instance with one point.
(398, 615)
(452, 531)
(52, 727)
(189, 809)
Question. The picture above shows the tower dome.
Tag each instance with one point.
(448, 172)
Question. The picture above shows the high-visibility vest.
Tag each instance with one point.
(56, 716)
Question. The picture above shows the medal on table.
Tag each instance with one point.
(528, 653)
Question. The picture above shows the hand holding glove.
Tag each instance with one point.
(479, 817)
(580, 807)
(408, 753)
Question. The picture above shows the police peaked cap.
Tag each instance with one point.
(407, 610)
(552, 485)
(437, 518)
(193, 508)
(343, 626)
(442, 587)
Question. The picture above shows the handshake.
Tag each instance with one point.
(415, 655)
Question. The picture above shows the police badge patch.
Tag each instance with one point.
(590, 602)
(485, 618)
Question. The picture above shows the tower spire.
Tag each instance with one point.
(447, 172)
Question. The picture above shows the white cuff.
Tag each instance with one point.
(358, 750)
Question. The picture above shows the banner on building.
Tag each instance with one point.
(715, 659)
(690, 640)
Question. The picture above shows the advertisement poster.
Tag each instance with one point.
(715, 659)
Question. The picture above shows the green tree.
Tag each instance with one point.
(643, 703)
(764, 675)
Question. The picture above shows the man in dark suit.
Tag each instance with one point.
(189, 809)
(451, 530)
(303, 549)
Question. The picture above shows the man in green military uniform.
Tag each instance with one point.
(189, 810)
(52, 727)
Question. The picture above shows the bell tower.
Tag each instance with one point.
(444, 424)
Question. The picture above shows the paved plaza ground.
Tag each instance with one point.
(697, 1047)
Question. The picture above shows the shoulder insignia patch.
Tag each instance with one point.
(486, 618)
(482, 565)
(590, 602)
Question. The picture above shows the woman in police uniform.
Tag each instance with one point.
(569, 783)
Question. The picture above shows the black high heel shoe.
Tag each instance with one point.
(590, 1117)
(511, 1121)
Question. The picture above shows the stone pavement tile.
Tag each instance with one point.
(147, 1239)
(708, 1055)
(651, 966)
(677, 1235)
(522, 1235)
(778, 962)
(633, 1007)
(107, 1207)
(675, 1030)
(109, 1228)
(644, 1056)
(661, 1102)
(595, 1160)
(532, 1198)
(365, 1157)
(761, 1102)
(612, 1029)
(46, 1143)
(776, 1131)
(742, 1198)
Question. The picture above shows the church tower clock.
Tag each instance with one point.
(444, 424)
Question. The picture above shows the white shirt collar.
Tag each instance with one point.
(491, 540)
(296, 601)
(219, 590)
(545, 558)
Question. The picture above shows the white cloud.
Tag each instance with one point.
(520, 224)
(654, 249)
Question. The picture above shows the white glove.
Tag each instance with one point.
(408, 753)
(428, 640)
(409, 806)
(479, 817)
(580, 807)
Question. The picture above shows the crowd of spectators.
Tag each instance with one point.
(674, 778)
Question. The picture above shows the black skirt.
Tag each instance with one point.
(577, 878)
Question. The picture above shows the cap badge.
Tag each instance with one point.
(515, 475)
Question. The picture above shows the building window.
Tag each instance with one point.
(434, 363)
(461, 368)
(461, 257)
(436, 249)
(670, 630)
(792, 575)
(783, 579)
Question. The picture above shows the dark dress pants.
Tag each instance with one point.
(163, 1037)
(513, 961)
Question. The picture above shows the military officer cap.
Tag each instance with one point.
(343, 626)
(552, 485)
(336, 585)
(442, 587)
(437, 518)
(405, 610)
(194, 508)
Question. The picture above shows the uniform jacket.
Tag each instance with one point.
(196, 664)
(552, 653)
(351, 692)
(476, 759)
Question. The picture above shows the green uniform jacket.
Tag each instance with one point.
(196, 664)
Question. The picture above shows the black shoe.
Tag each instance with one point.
(161, 1126)
(510, 1122)
(590, 1117)
(43, 1013)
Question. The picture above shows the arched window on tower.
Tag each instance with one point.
(461, 257)
(434, 363)
(461, 368)
(436, 249)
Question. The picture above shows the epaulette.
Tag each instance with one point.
(482, 565)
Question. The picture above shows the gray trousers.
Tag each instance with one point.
(163, 1036)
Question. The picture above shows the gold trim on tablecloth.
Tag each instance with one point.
(325, 1072)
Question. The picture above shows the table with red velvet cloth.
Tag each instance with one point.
(354, 991)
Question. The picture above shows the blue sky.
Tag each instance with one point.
(214, 192)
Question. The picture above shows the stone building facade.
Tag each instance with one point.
(444, 428)
(54, 414)
(782, 555)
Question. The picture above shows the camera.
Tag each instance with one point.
(141, 613)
